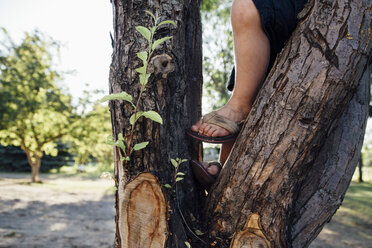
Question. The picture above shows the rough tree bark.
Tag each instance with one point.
(140, 198)
(294, 158)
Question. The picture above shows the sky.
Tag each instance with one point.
(82, 26)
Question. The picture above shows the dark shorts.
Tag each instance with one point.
(278, 21)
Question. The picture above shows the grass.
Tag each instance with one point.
(356, 209)
(73, 184)
(91, 171)
(358, 202)
(68, 178)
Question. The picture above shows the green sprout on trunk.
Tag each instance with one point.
(178, 176)
(125, 142)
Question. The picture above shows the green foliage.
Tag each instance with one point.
(34, 112)
(140, 146)
(178, 176)
(218, 58)
(13, 159)
(124, 142)
(119, 96)
(208, 5)
(88, 130)
(152, 115)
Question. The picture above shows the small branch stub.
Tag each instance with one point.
(161, 64)
(143, 215)
(251, 236)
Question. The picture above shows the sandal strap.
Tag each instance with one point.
(221, 121)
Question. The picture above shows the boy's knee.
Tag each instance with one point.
(244, 14)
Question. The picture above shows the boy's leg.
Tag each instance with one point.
(252, 54)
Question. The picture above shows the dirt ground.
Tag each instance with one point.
(61, 212)
(70, 211)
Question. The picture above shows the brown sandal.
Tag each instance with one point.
(221, 121)
(202, 175)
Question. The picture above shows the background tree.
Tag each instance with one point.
(88, 132)
(34, 111)
(14, 159)
(218, 59)
(292, 163)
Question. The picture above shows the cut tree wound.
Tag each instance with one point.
(251, 236)
(143, 216)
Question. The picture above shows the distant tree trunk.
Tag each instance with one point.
(34, 161)
(35, 167)
(360, 167)
(142, 204)
(291, 164)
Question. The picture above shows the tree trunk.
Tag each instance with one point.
(141, 197)
(294, 159)
(360, 166)
(291, 164)
(35, 167)
(34, 161)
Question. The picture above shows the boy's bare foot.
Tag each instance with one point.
(212, 169)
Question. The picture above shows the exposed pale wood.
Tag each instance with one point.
(251, 236)
(143, 214)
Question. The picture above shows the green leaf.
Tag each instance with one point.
(167, 22)
(141, 70)
(143, 56)
(110, 140)
(181, 174)
(120, 136)
(183, 160)
(187, 244)
(145, 32)
(198, 232)
(138, 115)
(144, 78)
(140, 146)
(122, 159)
(167, 186)
(151, 14)
(120, 144)
(160, 41)
(154, 116)
(179, 179)
(174, 163)
(153, 29)
(118, 96)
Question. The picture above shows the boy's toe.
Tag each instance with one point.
(210, 131)
(196, 126)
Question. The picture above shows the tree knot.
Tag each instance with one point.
(161, 64)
